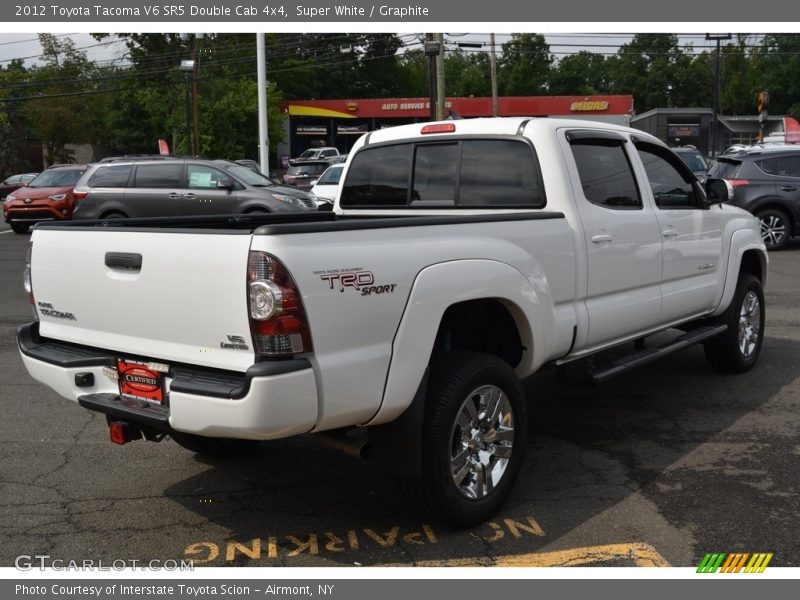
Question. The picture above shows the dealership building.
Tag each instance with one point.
(339, 123)
(692, 126)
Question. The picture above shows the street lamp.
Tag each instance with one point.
(187, 67)
(718, 37)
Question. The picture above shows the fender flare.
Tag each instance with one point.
(442, 285)
(743, 240)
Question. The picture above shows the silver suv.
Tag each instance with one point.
(180, 186)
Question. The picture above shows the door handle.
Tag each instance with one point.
(788, 188)
(601, 237)
(173, 196)
(668, 233)
(189, 196)
(129, 261)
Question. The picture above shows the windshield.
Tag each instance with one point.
(331, 176)
(694, 160)
(56, 179)
(309, 154)
(249, 176)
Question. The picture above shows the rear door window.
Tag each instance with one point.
(158, 176)
(606, 175)
(469, 173)
(781, 166)
(113, 176)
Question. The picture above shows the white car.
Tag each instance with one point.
(327, 186)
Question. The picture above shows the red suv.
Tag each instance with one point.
(46, 198)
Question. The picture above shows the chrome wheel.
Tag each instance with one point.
(773, 230)
(481, 442)
(749, 324)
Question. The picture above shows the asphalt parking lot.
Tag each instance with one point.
(656, 467)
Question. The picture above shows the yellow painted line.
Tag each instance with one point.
(642, 555)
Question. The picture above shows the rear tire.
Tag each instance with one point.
(213, 447)
(473, 439)
(737, 350)
(775, 228)
(19, 227)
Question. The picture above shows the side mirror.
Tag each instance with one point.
(718, 191)
(225, 184)
(313, 182)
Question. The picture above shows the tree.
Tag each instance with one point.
(467, 74)
(583, 73)
(76, 116)
(525, 65)
(649, 68)
(226, 88)
(776, 65)
(12, 125)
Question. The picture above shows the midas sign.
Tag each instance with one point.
(588, 106)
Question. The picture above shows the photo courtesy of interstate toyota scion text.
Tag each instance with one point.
(460, 257)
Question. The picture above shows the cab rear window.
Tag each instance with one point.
(465, 173)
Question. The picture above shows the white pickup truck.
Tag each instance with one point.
(461, 257)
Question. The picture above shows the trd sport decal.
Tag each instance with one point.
(358, 280)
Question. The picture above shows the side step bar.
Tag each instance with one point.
(642, 357)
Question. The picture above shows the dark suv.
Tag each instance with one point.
(766, 181)
(180, 186)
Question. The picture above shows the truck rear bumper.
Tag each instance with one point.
(272, 400)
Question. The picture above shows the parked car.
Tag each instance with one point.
(15, 182)
(327, 153)
(694, 159)
(301, 173)
(462, 257)
(250, 164)
(48, 196)
(326, 187)
(766, 181)
(178, 186)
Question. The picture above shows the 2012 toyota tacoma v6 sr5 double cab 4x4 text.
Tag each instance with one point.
(461, 256)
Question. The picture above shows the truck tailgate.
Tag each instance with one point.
(186, 302)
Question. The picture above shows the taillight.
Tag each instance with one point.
(439, 128)
(278, 321)
(79, 195)
(738, 182)
(27, 283)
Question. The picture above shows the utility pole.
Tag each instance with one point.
(186, 67)
(195, 111)
(263, 139)
(440, 91)
(718, 37)
(431, 51)
(493, 64)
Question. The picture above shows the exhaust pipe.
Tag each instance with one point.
(360, 449)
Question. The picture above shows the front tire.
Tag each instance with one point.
(473, 438)
(737, 350)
